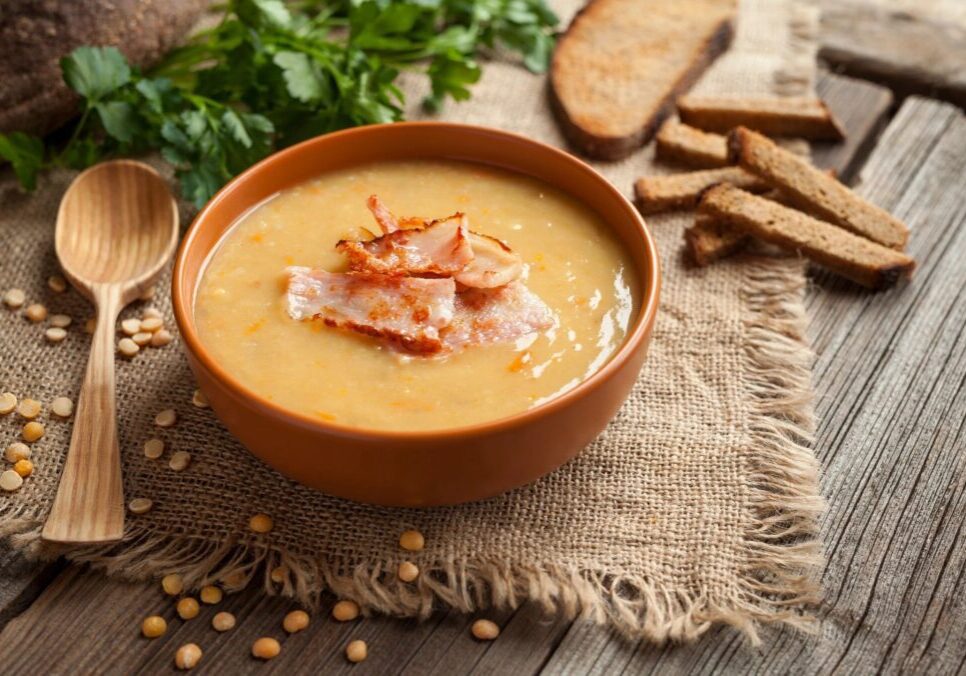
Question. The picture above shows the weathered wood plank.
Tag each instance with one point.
(22, 581)
(913, 47)
(862, 108)
(891, 381)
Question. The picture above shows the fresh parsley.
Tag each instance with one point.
(273, 73)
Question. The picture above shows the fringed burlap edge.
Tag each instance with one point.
(780, 551)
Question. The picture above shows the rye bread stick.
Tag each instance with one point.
(679, 191)
(710, 239)
(856, 258)
(677, 142)
(806, 118)
(814, 190)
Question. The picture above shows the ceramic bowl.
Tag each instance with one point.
(431, 467)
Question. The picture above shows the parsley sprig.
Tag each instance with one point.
(272, 73)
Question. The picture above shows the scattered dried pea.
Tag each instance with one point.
(151, 324)
(23, 467)
(261, 523)
(14, 298)
(62, 407)
(55, 335)
(187, 656)
(266, 648)
(153, 626)
(179, 461)
(153, 448)
(166, 418)
(29, 408)
(485, 630)
(36, 312)
(412, 541)
(130, 326)
(210, 594)
(161, 338)
(278, 574)
(345, 611)
(295, 621)
(57, 284)
(188, 608)
(223, 621)
(141, 339)
(60, 321)
(199, 399)
(408, 571)
(356, 651)
(17, 451)
(172, 584)
(8, 402)
(140, 505)
(10, 480)
(151, 312)
(32, 431)
(127, 347)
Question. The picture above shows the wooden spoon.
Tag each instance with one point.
(116, 228)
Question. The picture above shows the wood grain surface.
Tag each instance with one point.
(891, 383)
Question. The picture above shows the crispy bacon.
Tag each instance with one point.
(500, 315)
(409, 311)
(387, 222)
(494, 263)
(439, 249)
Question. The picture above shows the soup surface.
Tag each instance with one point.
(571, 261)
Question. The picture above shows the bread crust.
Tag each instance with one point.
(808, 118)
(600, 145)
(854, 257)
(678, 191)
(678, 142)
(813, 190)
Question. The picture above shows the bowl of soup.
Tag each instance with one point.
(417, 314)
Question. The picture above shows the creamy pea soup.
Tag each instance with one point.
(571, 261)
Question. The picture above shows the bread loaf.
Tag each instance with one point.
(35, 34)
(620, 65)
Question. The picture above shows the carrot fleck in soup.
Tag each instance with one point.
(416, 295)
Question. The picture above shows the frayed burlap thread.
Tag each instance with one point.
(698, 505)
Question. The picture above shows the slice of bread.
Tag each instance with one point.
(814, 190)
(709, 239)
(676, 142)
(679, 191)
(856, 258)
(801, 117)
(621, 63)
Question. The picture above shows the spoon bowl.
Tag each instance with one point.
(116, 228)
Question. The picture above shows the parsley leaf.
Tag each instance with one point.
(25, 153)
(272, 73)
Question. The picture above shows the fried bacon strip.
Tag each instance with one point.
(409, 311)
(441, 248)
(418, 246)
(500, 315)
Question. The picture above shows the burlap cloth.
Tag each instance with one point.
(697, 505)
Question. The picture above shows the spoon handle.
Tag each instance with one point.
(89, 506)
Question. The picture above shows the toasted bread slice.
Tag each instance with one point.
(709, 239)
(775, 116)
(621, 63)
(813, 190)
(680, 191)
(678, 142)
(851, 256)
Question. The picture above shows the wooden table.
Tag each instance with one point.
(891, 385)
